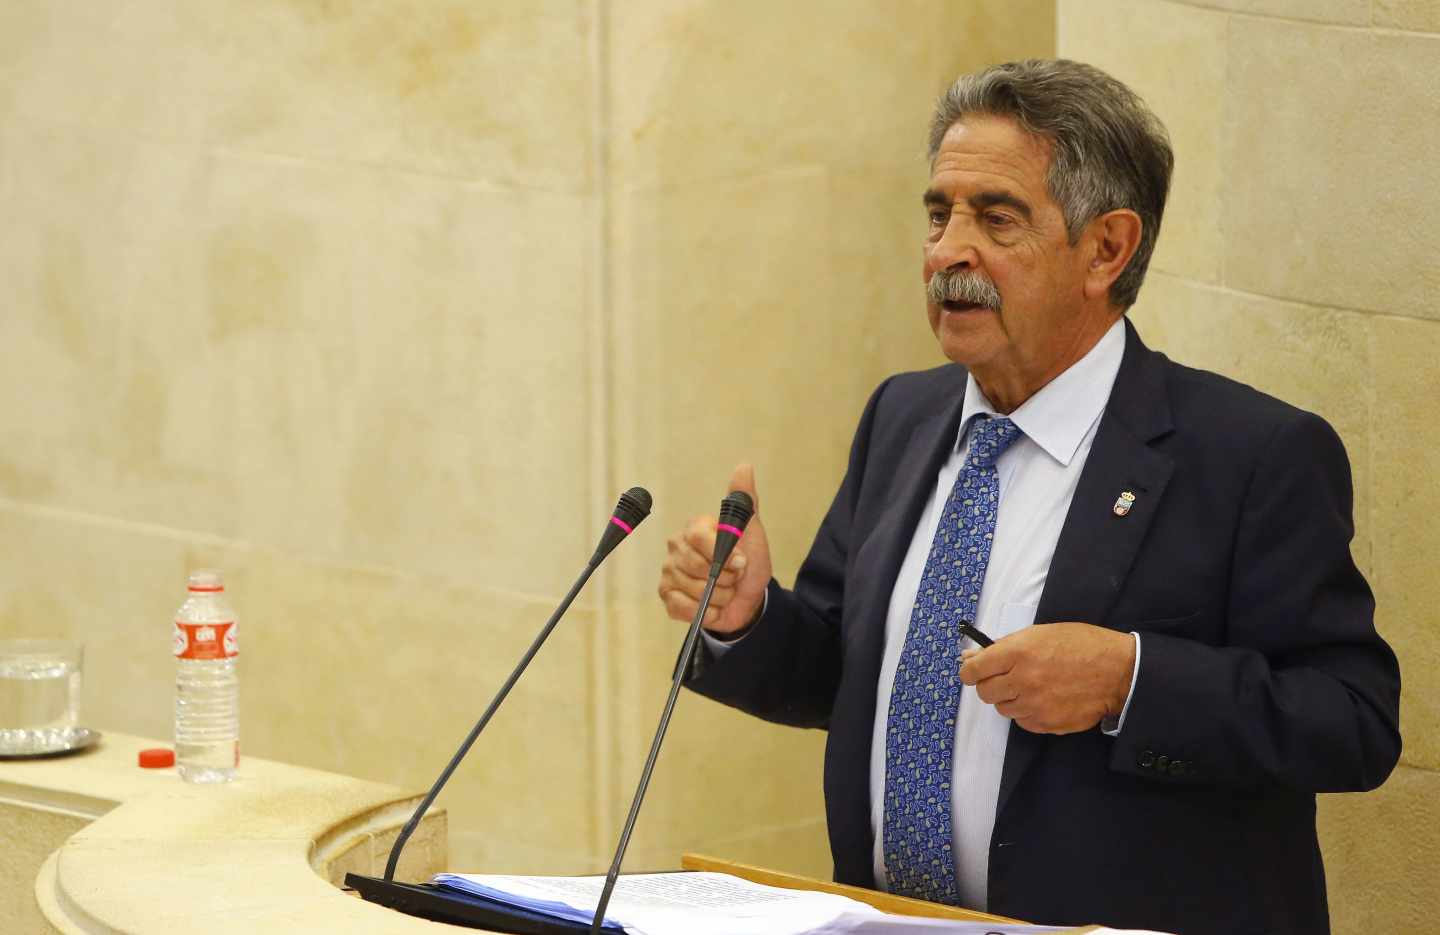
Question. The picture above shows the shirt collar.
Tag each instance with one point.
(1058, 417)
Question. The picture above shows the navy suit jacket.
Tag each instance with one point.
(1262, 680)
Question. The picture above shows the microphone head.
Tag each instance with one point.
(736, 509)
(633, 507)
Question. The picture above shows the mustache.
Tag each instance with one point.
(962, 285)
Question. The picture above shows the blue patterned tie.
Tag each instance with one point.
(925, 699)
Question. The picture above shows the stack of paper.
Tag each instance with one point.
(711, 904)
(665, 903)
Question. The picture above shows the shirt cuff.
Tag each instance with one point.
(719, 647)
(1112, 726)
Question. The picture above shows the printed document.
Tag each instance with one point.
(714, 904)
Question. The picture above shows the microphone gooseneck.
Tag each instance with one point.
(634, 506)
(735, 512)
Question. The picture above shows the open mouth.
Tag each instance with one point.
(961, 306)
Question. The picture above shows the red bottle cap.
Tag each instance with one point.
(157, 758)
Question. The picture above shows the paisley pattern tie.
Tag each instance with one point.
(925, 699)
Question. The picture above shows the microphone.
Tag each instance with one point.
(632, 509)
(735, 512)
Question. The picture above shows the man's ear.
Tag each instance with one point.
(1112, 239)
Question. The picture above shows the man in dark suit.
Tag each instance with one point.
(1184, 650)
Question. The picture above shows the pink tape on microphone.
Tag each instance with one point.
(616, 520)
(731, 529)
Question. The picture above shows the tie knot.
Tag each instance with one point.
(989, 439)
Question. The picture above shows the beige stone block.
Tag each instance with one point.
(124, 68)
(500, 91)
(701, 92)
(1418, 15)
(1344, 12)
(85, 216)
(21, 26)
(1381, 851)
(467, 418)
(212, 347)
(1173, 56)
(1315, 358)
(1329, 197)
(1405, 504)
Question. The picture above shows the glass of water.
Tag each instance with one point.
(39, 693)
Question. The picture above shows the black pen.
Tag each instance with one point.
(968, 629)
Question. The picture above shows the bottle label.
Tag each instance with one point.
(205, 640)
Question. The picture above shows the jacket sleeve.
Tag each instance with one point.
(787, 668)
(1304, 694)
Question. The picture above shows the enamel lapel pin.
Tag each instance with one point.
(1124, 502)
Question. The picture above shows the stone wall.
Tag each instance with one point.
(1301, 254)
(378, 305)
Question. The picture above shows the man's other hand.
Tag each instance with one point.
(1054, 678)
(740, 591)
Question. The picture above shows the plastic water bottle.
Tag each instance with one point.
(207, 688)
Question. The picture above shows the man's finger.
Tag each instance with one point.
(743, 479)
(693, 588)
(997, 690)
(700, 536)
(987, 663)
(680, 606)
(690, 562)
(1015, 711)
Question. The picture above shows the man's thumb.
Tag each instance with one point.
(743, 479)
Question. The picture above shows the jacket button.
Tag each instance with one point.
(1162, 763)
(1147, 759)
(1178, 768)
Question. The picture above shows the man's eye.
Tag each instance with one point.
(999, 220)
(938, 218)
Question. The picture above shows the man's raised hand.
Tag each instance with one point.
(740, 591)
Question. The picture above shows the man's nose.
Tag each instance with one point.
(955, 249)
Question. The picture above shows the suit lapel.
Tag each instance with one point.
(1097, 547)
(930, 443)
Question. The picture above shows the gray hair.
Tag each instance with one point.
(1107, 150)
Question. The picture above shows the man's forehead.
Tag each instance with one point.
(991, 150)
